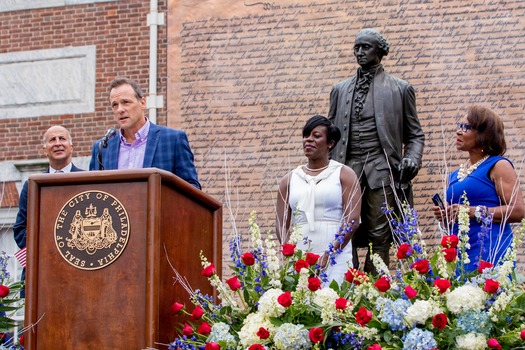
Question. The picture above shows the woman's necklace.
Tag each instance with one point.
(463, 173)
(315, 170)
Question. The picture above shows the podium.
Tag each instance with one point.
(99, 248)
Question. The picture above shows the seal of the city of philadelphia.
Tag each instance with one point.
(92, 230)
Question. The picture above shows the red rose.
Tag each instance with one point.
(493, 344)
(212, 346)
(204, 328)
(316, 335)
(484, 265)
(382, 284)
(197, 313)
(300, 264)
(450, 254)
(285, 299)
(421, 266)
(21, 340)
(314, 284)
(312, 258)
(234, 283)
(256, 347)
(442, 285)
(449, 241)
(187, 330)
(355, 276)
(374, 347)
(410, 292)
(363, 316)
(4, 291)
(288, 249)
(491, 286)
(341, 303)
(404, 251)
(439, 321)
(176, 307)
(248, 259)
(522, 334)
(263, 333)
(208, 271)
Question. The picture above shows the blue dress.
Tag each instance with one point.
(481, 190)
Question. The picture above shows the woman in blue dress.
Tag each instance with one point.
(491, 186)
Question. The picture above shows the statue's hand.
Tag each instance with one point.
(407, 170)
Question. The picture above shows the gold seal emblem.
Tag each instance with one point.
(92, 230)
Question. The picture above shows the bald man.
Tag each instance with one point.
(57, 146)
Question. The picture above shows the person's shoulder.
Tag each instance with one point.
(164, 130)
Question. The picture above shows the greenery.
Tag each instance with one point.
(277, 299)
(10, 302)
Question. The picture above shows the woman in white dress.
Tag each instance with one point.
(319, 198)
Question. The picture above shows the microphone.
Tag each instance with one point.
(103, 144)
(109, 134)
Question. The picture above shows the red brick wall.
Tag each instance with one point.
(121, 35)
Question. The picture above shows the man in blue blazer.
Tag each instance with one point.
(58, 148)
(139, 142)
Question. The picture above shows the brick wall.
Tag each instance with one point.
(121, 35)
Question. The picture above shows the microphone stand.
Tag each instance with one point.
(103, 144)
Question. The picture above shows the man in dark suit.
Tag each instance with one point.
(57, 146)
(140, 143)
(382, 140)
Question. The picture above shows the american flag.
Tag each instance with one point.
(21, 257)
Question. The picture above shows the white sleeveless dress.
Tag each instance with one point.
(318, 202)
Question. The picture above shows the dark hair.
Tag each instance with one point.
(382, 45)
(490, 130)
(332, 132)
(119, 81)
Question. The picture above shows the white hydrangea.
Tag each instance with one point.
(421, 311)
(500, 304)
(471, 341)
(252, 323)
(302, 283)
(465, 298)
(268, 305)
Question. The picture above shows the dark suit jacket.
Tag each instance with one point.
(166, 149)
(397, 123)
(20, 225)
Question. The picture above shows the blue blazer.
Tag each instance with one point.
(166, 149)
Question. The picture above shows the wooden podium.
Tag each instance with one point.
(98, 245)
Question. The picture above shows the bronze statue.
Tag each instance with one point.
(382, 140)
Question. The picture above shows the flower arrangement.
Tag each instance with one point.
(9, 303)
(276, 299)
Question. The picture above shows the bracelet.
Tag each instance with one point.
(480, 210)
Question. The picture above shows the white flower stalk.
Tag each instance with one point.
(302, 283)
(465, 298)
(471, 341)
(366, 332)
(380, 265)
(325, 298)
(499, 305)
(274, 265)
(226, 295)
(255, 231)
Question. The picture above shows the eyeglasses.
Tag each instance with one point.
(464, 127)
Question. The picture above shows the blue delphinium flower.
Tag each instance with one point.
(418, 339)
(339, 339)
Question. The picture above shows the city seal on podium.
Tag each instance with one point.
(92, 230)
